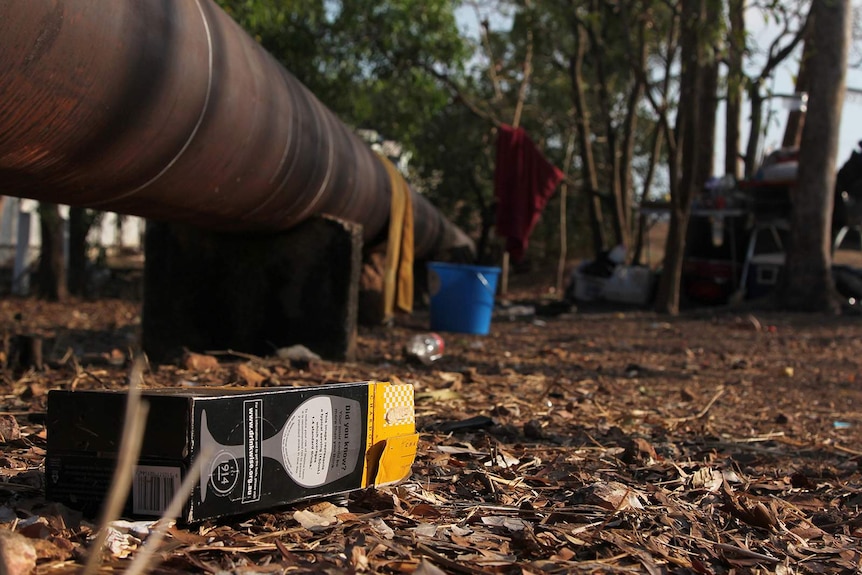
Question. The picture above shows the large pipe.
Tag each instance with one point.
(167, 109)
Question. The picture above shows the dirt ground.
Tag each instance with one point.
(612, 441)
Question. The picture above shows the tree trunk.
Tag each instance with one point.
(585, 145)
(808, 282)
(753, 148)
(79, 227)
(689, 123)
(796, 118)
(564, 218)
(596, 34)
(705, 135)
(51, 285)
(667, 298)
(628, 143)
(733, 117)
(658, 143)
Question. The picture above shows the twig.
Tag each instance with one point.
(142, 560)
(734, 549)
(847, 450)
(248, 356)
(94, 376)
(130, 448)
(448, 563)
(703, 411)
(745, 552)
(745, 447)
(760, 438)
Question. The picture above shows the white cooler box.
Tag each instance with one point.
(630, 285)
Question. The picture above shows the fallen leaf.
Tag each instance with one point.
(510, 523)
(502, 459)
(381, 528)
(248, 374)
(120, 544)
(639, 450)
(425, 530)
(458, 531)
(453, 379)
(614, 496)
(358, 559)
(564, 554)
(36, 390)
(199, 362)
(424, 510)
(9, 430)
(319, 517)
(706, 478)
(456, 450)
(749, 511)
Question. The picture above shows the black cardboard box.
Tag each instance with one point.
(265, 447)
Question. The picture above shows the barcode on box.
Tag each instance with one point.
(154, 488)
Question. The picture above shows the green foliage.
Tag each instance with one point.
(402, 68)
(364, 59)
(296, 32)
(371, 62)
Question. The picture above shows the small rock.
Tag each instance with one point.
(9, 430)
(297, 353)
(17, 554)
(633, 370)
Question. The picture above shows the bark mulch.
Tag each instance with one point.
(605, 442)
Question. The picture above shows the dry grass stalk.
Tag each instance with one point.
(130, 449)
(142, 561)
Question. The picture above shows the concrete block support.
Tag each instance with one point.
(253, 293)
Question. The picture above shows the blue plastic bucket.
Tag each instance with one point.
(462, 297)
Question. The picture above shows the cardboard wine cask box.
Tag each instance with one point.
(264, 447)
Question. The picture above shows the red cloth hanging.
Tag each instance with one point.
(523, 183)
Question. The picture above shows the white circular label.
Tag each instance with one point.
(306, 443)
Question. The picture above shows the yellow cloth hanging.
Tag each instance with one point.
(398, 275)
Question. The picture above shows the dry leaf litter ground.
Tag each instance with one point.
(590, 442)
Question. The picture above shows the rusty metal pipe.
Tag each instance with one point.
(170, 111)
